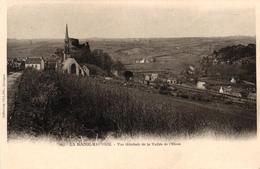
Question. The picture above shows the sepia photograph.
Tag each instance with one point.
(98, 71)
(119, 84)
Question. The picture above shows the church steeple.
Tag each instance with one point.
(66, 34)
(66, 44)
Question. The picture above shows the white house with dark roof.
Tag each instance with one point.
(35, 62)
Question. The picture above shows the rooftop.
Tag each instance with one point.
(35, 60)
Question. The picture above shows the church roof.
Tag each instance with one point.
(35, 60)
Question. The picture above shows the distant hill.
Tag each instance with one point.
(236, 53)
(170, 53)
(33, 48)
(237, 61)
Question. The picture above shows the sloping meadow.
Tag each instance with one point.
(60, 105)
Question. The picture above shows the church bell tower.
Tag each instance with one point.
(66, 44)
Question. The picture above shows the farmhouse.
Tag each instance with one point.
(15, 64)
(36, 63)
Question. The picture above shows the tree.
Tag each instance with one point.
(59, 52)
(118, 66)
(128, 75)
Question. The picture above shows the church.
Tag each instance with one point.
(68, 64)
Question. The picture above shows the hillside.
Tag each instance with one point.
(236, 53)
(237, 61)
(170, 54)
(53, 104)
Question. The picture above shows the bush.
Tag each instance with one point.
(49, 103)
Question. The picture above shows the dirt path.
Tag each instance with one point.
(11, 82)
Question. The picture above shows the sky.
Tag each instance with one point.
(127, 20)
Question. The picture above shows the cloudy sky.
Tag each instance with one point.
(128, 20)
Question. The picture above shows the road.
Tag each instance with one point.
(11, 82)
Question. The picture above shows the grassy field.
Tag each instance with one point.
(49, 103)
(170, 53)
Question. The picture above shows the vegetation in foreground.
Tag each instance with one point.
(48, 103)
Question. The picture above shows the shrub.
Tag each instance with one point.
(49, 103)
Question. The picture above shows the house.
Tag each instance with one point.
(225, 90)
(229, 91)
(233, 80)
(145, 60)
(15, 64)
(142, 61)
(35, 62)
(151, 77)
(221, 90)
(201, 85)
(154, 76)
(147, 78)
